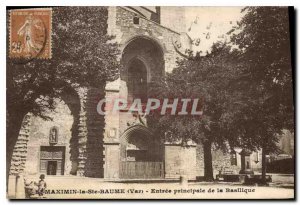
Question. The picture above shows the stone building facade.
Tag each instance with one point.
(79, 141)
(49, 142)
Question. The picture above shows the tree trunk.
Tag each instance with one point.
(263, 166)
(13, 126)
(208, 169)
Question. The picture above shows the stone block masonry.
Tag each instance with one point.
(20, 149)
(125, 30)
(95, 130)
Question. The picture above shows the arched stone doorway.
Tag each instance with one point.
(49, 150)
(143, 62)
(140, 154)
(133, 152)
(49, 146)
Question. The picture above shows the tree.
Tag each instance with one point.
(263, 37)
(209, 79)
(81, 57)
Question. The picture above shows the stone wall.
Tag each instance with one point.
(90, 133)
(222, 161)
(95, 130)
(180, 161)
(20, 150)
(82, 132)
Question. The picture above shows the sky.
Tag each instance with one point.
(210, 24)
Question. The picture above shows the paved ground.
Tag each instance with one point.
(75, 187)
(282, 180)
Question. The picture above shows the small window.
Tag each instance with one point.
(136, 20)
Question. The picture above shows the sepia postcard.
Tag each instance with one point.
(150, 102)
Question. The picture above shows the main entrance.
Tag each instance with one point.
(140, 154)
(140, 151)
(52, 160)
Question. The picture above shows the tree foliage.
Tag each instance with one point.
(81, 56)
(246, 93)
(264, 41)
(208, 79)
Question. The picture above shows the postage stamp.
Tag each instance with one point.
(30, 33)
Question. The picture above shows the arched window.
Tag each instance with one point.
(137, 81)
(136, 20)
